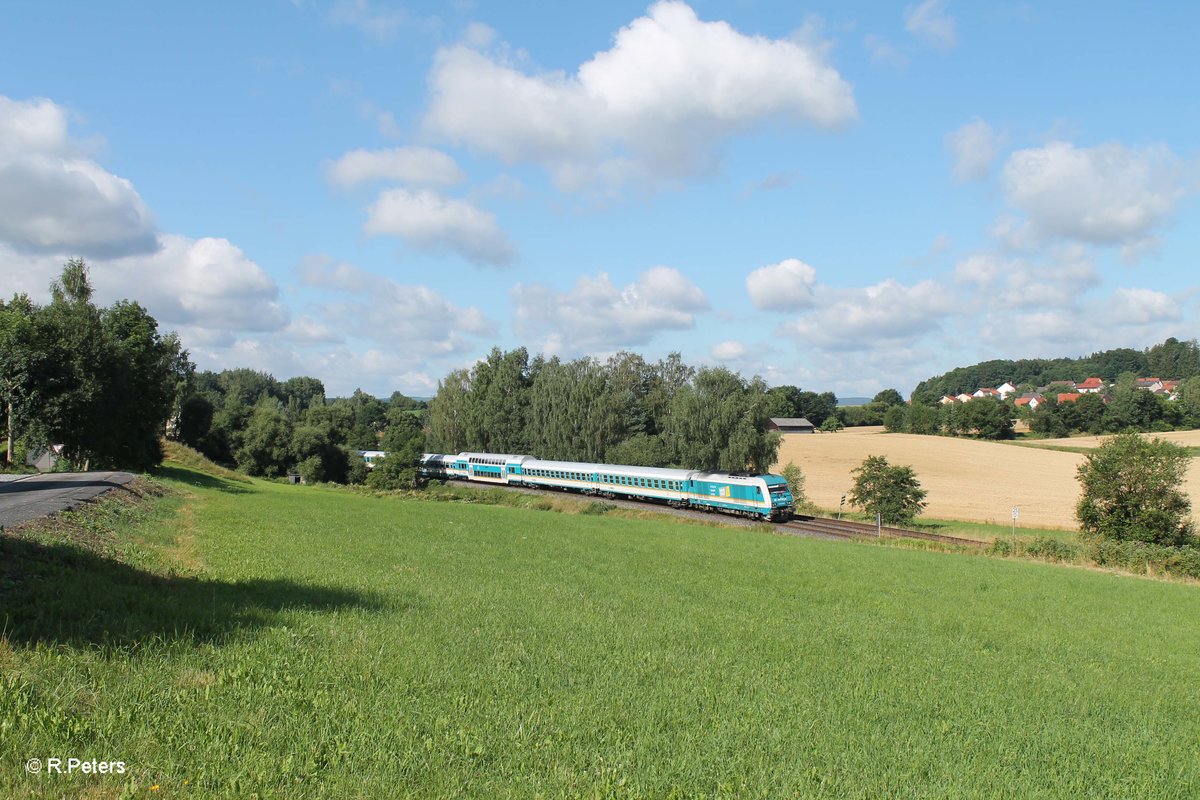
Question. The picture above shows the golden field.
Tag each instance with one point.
(966, 479)
(1185, 438)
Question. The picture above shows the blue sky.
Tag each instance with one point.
(844, 197)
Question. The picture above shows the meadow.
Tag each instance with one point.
(255, 639)
(967, 479)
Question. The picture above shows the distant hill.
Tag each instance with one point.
(853, 401)
(1171, 360)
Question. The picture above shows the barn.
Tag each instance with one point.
(791, 425)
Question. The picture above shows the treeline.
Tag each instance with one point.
(261, 426)
(1170, 360)
(101, 382)
(623, 410)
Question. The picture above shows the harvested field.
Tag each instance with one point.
(1185, 438)
(966, 479)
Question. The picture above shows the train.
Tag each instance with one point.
(761, 496)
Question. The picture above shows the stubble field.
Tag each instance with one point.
(966, 479)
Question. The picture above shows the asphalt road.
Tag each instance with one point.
(39, 495)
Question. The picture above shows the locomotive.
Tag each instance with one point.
(760, 496)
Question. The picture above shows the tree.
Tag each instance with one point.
(795, 480)
(895, 419)
(18, 364)
(266, 446)
(1131, 491)
(831, 425)
(892, 492)
(889, 397)
(719, 422)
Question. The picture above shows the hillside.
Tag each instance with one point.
(1172, 359)
(966, 479)
(293, 641)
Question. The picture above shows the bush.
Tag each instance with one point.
(1051, 549)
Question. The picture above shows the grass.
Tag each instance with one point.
(241, 639)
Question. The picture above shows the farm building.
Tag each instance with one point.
(791, 425)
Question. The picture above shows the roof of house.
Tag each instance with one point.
(1068, 397)
(791, 422)
(1090, 383)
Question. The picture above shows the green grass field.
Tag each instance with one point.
(255, 639)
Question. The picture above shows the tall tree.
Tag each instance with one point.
(891, 491)
(1132, 491)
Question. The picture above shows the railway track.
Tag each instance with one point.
(847, 529)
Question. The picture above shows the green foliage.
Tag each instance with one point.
(794, 476)
(624, 410)
(896, 419)
(831, 425)
(100, 382)
(889, 397)
(392, 472)
(1131, 491)
(266, 444)
(892, 492)
(719, 422)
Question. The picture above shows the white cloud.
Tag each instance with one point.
(595, 316)
(416, 317)
(729, 351)
(930, 23)
(426, 219)
(1142, 307)
(52, 199)
(974, 147)
(655, 105)
(420, 166)
(886, 314)
(785, 286)
(1107, 194)
(207, 286)
(1007, 282)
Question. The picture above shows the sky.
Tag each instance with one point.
(840, 196)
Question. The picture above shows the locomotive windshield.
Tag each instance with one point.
(779, 488)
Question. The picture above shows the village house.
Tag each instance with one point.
(1031, 400)
(1090, 386)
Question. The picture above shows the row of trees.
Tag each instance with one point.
(1171, 360)
(623, 410)
(102, 382)
(262, 426)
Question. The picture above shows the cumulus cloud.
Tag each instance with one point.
(54, 199)
(1142, 307)
(420, 166)
(1055, 281)
(596, 316)
(785, 286)
(888, 313)
(930, 23)
(729, 351)
(426, 219)
(207, 286)
(1109, 194)
(974, 147)
(384, 311)
(655, 105)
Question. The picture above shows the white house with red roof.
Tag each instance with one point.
(1090, 386)
(1005, 389)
